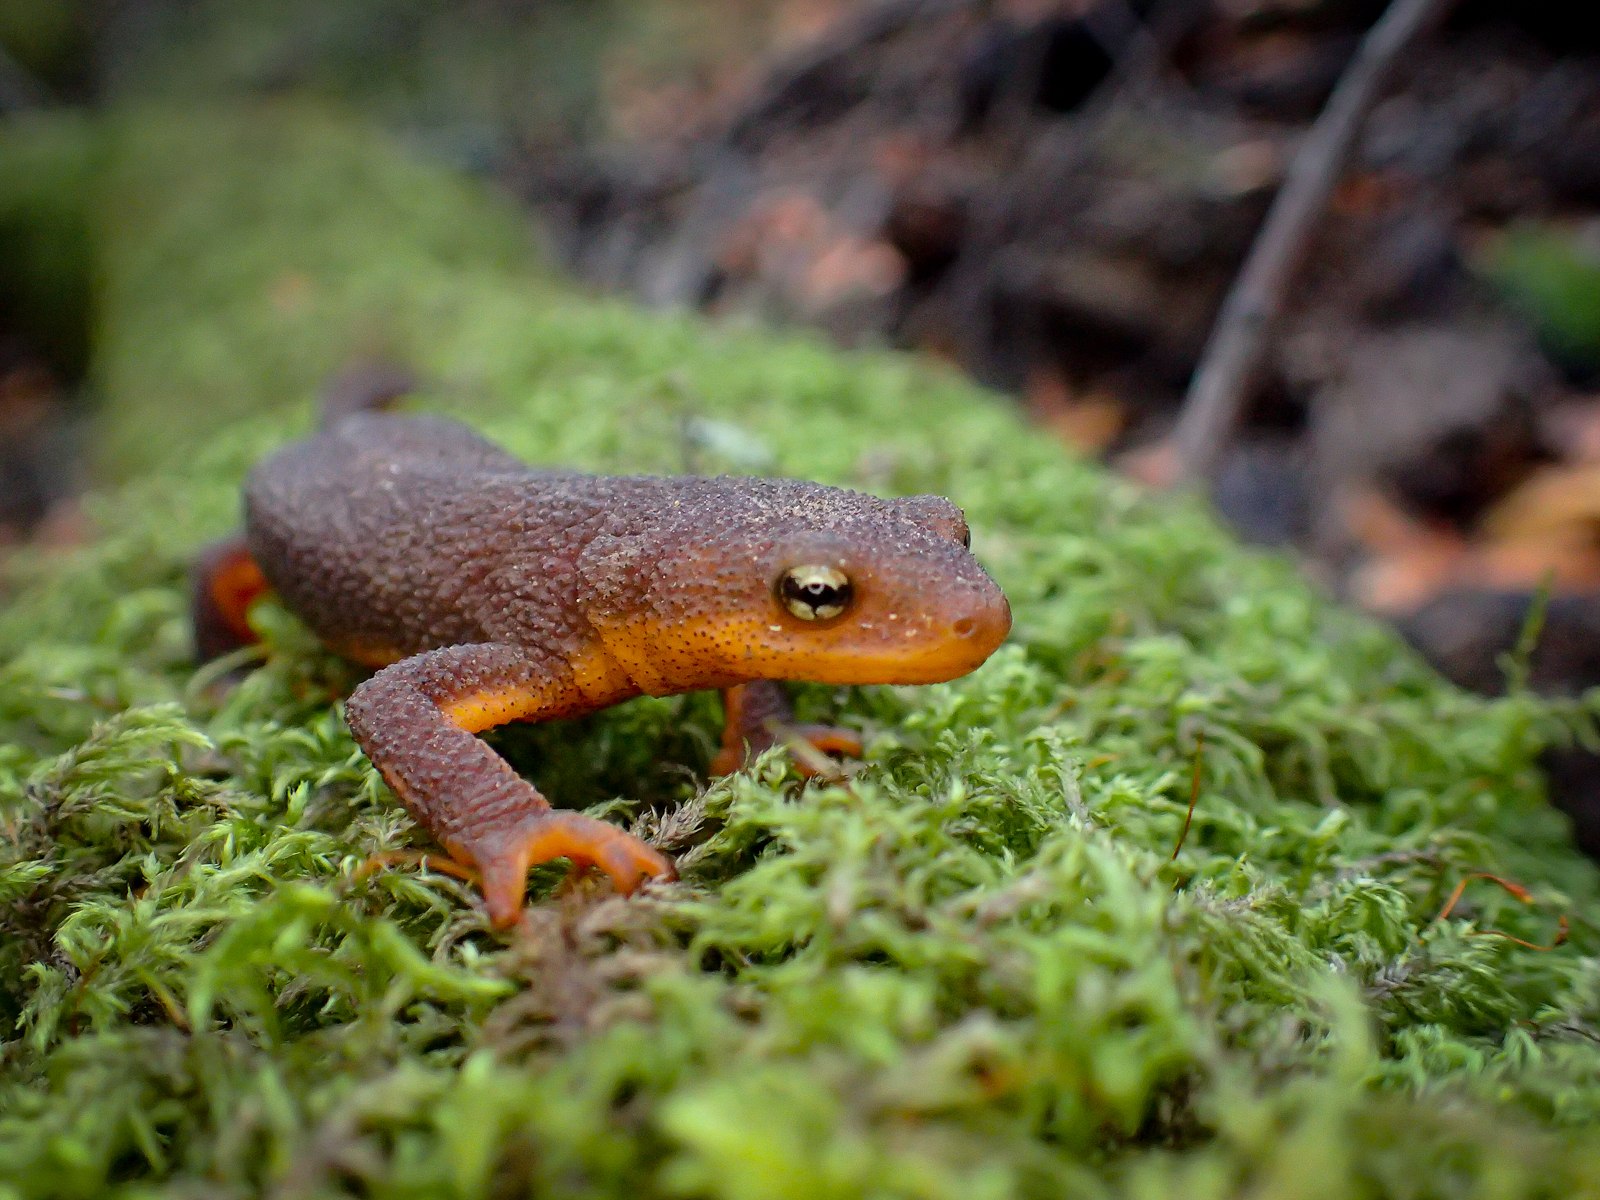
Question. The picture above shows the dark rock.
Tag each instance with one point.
(1054, 64)
(1573, 774)
(1466, 634)
(1442, 416)
(1410, 269)
(928, 226)
(1559, 24)
(1559, 119)
(1261, 491)
(1282, 78)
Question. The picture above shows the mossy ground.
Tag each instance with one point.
(972, 973)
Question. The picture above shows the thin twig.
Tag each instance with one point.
(1194, 792)
(1518, 892)
(1222, 380)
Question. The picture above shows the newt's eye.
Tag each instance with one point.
(814, 593)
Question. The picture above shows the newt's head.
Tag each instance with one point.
(730, 580)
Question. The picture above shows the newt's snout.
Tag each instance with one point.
(986, 626)
(957, 638)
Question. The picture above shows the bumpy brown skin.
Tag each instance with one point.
(490, 592)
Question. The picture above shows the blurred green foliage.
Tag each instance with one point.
(193, 329)
(501, 76)
(49, 171)
(978, 971)
(1552, 276)
(415, 65)
(49, 39)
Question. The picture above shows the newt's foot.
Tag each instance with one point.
(758, 717)
(814, 747)
(384, 859)
(502, 860)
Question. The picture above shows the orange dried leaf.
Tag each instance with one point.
(1086, 421)
(1154, 465)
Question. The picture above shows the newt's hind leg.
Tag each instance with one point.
(225, 582)
(417, 722)
(758, 716)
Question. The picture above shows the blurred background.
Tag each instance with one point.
(1053, 195)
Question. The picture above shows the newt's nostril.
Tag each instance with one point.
(965, 627)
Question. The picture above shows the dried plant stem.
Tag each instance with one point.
(1221, 383)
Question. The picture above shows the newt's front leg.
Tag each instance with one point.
(417, 722)
(756, 715)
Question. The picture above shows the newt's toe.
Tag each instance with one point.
(503, 862)
(810, 745)
(628, 863)
(825, 740)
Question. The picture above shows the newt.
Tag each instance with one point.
(485, 591)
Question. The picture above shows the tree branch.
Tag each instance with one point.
(1221, 382)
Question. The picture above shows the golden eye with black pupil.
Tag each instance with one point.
(814, 593)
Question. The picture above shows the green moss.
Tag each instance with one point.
(973, 973)
(525, 73)
(1552, 277)
(201, 324)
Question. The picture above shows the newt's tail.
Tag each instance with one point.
(224, 582)
(365, 385)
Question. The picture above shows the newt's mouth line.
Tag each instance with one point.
(740, 650)
(926, 666)
(908, 656)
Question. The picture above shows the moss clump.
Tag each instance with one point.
(973, 973)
